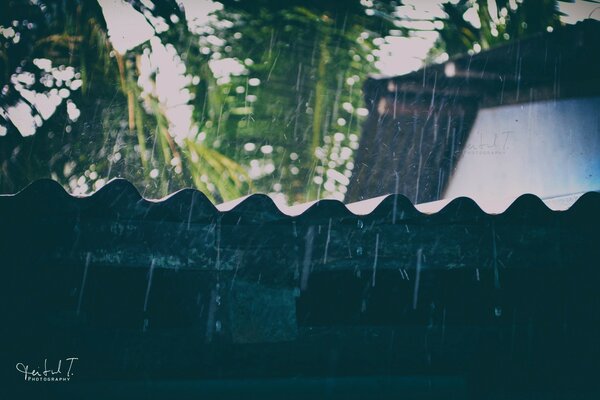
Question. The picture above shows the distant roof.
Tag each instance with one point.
(558, 64)
(419, 122)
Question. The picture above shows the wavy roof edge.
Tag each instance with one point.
(120, 193)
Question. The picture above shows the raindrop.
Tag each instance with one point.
(83, 280)
(375, 260)
(218, 244)
(189, 219)
(404, 274)
(495, 258)
(417, 279)
(395, 197)
(443, 326)
(327, 242)
(308, 249)
(150, 273)
(212, 310)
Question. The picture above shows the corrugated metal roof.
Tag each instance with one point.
(180, 288)
(122, 197)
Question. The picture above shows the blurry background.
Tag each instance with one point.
(230, 97)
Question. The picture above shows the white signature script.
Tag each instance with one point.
(53, 373)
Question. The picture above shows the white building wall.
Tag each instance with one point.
(549, 148)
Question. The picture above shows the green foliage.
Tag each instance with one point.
(288, 120)
(297, 58)
(500, 21)
(118, 123)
